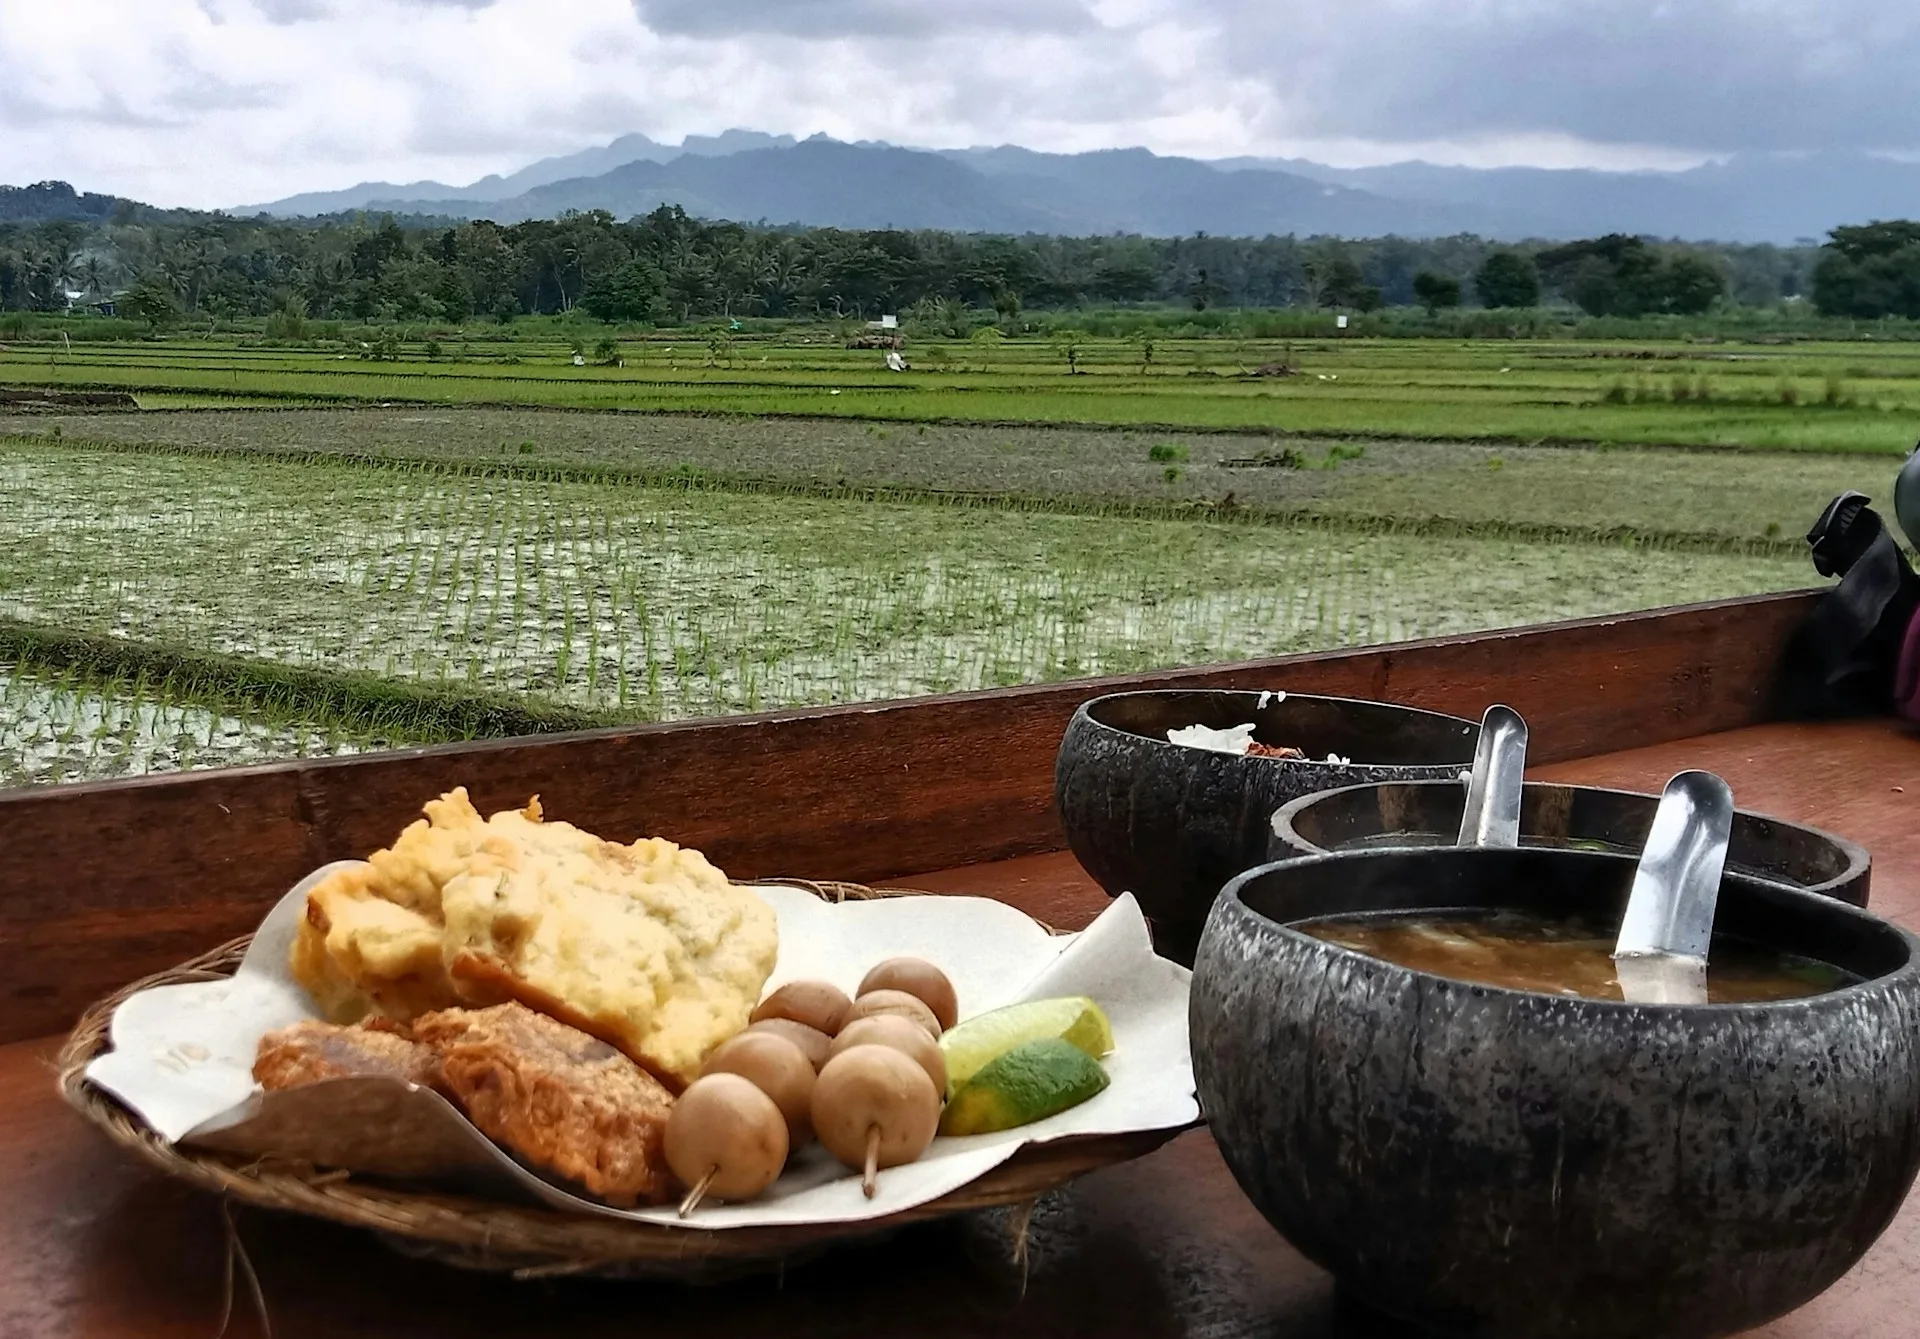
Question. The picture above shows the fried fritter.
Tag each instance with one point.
(358, 954)
(646, 946)
(312, 1052)
(561, 1100)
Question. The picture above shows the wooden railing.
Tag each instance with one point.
(104, 882)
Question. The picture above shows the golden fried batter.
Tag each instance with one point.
(311, 1052)
(562, 1100)
(646, 946)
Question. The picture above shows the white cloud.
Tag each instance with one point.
(218, 102)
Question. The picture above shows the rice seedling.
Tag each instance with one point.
(734, 601)
(61, 726)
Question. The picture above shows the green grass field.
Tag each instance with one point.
(1822, 397)
(295, 552)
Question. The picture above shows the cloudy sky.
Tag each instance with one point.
(222, 102)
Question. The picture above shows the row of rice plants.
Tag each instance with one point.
(1377, 408)
(65, 726)
(1544, 523)
(652, 603)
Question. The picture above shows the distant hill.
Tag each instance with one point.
(48, 201)
(825, 183)
(751, 176)
(1133, 190)
(1750, 198)
(818, 182)
(586, 163)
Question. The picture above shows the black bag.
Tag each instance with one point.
(1841, 662)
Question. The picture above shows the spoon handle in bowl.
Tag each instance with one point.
(1668, 926)
(1492, 815)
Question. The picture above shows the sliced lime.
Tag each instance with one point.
(974, 1043)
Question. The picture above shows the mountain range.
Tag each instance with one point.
(751, 176)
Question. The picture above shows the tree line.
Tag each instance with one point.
(667, 266)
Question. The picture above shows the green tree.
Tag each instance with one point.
(93, 273)
(151, 299)
(1870, 271)
(1342, 283)
(1507, 279)
(1203, 292)
(634, 292)
(1590, 272)
(1006, 305)
(1435, 291)
(1690, 285)
(1128, 277)
(1623, 276)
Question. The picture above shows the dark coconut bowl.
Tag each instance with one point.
(1171, 824)
(1427, 813)
(1500, 1163)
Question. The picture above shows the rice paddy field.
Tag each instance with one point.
(1849, 396)
(289, 553)
(56, 727)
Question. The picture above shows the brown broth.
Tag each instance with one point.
(1523, 951)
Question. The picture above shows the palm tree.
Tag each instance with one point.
(94, 273)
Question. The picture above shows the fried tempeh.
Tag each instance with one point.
(563, 1101)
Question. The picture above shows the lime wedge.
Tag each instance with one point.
(971, 1045)
(1029, 1083)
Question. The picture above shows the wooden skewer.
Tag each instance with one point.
(873, 1161)
(694, 1196)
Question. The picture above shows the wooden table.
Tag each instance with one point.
(93, 1244)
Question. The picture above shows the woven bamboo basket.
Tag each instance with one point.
(532, 1241)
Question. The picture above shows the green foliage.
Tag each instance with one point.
(1619, 275)
(1203, 292)
(382, 346)
(1870, 272)
(1507, 279)
(1435, 291)
(1334, 279)
(151, 299)
(289, 323)
(1165, 451)
(1687, 285)
(668, 266)
(633, 293)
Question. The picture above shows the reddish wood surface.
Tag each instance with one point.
(92, 1244)
(863, 793)
(1861, 780)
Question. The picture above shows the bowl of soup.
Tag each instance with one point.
(1418, 1066)
(1427, 813)
(1171, 823)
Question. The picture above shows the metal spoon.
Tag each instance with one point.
(1661, 954)
(1492, 814)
